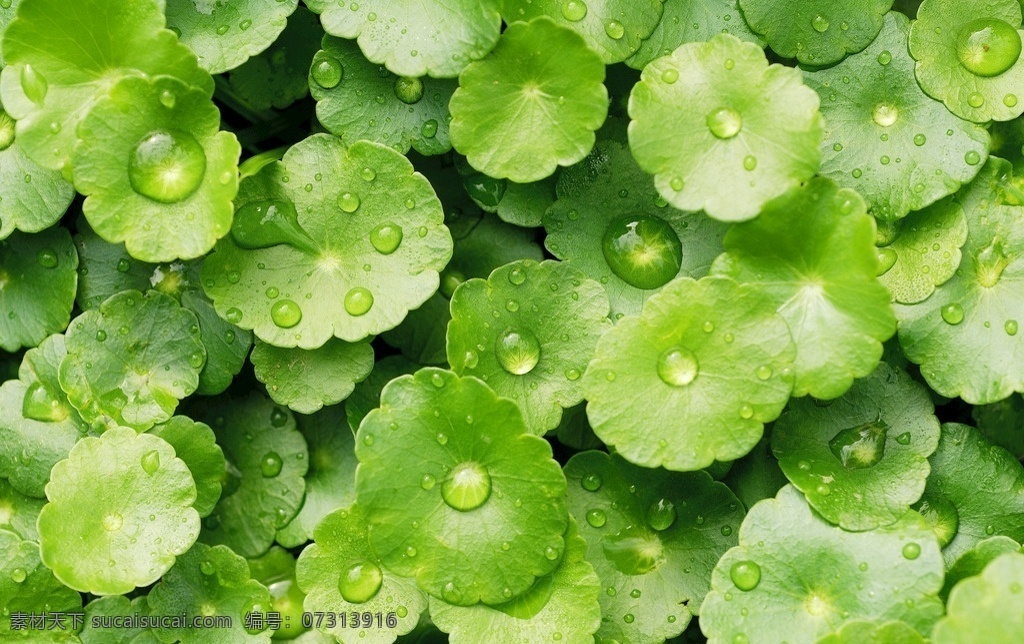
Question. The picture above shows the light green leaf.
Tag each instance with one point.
(38, 279)
(18, 513)
(523, 204)
(743, 131)
(130, 361)
(119, 512)
(989, 607)
(226, 34)
(921, 251)
(561, 606)
(612, 224)
(886, 138)
(74, 54)
(340, 202)
(157, 173)
(975, 491)
(357, 100)
(6, 16)
(209, 581)
(366, 395)
(879, 632)
(510, 331)
(684, 21)
(330, 479)
(531, 105)
(266, 460)
(710, 357)
(442, 457)
(653, 537)
(863, 459)
(305, 380)
(822, 281)
(194, 443)
(340, 573)
(34, 197)
(614, 29)
(800, 578)
(812, 33)
(965, 335)
(276, 570)
(969, 57)
(436, 39)
(28, 586)
(973, 562)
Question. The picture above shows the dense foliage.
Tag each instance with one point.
(569, 321)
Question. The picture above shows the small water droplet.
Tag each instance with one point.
(746, 575)
(285, 314)
(615, 30)
(360, 582)
(271, 465)
(597, 518)
(911, 551)
(358, 301)
(591, 482)
(150, 462)
(952, 313)
(820, 23)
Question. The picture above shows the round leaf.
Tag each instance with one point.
(743, 131)
(988, 607)
(542, 85)
(692, 379)
(28, 586)
(448, 477)
(120, 511)
(194, 443)
(860, 631)
(973, 562)
(304, 380)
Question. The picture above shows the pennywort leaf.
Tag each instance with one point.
(37, 286)
(305, 380)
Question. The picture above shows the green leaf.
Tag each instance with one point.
(344, 201)
(276, 570)
(436, 39)
(612, 224)
(266, 460)
(34, 197)
(800, 578)
(965, 335)
(194, 443)
(684, 21)
(653, 537)
(119, 512)
(28, 586)
(574, 431)
(756, 476)
(693, 378)
(340, 573)
(973, 562)
(6, 16)
(330, 479)
(226, 345)
(531, 105)
(488, 244)
(442, 457)
(974, 491)
(209, 581)
(969, 57)
(116, 606)
(879, 632)
(366, 395)
(157, 173)
(925, 251)
(561, 606)
(130, 361)
(1001, 423)
(37, 286)
(814, 34)
(988, 607)
(822, 282)
(523, 204)
(863, 459)
(614, 29)
(276, 77)
(73, 54)
(225, 35)
(743, 131)
(886, 138)
(357, 100)
(18, 513)
(510, 331)
(304, 380)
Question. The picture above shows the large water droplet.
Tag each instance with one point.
(167, 166)
(724, 122)
(360, 582)
(358, 301)
(349, 202)
(591, 482)
(262, 224)
(18, 575)
(861, 446)
(643, 251)
(39, 404)
(386, 238)
(678, 367)
(517, 351)
(466, 487)
(327, 73)
(746, 575)
(486, 191)
(271, 465)
(952, 313)
(886, 260)
(285, 314)
(150, 462)
(820, 23)
(885, 114)
(661, 515)
(574, 10)
(615, 30)
(33, 84)
(409, 90)
(988, 46)
(597, 518)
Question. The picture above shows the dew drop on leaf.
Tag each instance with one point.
(677, 367)
(270, 465)
(596, 518)
(360, 582)
(349, 202)
(820, 24)
(911, 551)
(885, 114)
(166, 166)
(1010, 327)
(150, 462)
(746, 575)
(285, 314)
(386, 238)
(574, 10)
(466, 487)
(643, 251)
(952, 313)
(427, 481)
(884, 58)
(861, 446)
(591, 482)
(661, 515)
(517, 351)
(358, 301)
(18, 575)
(988, 47)
(33, 84)
(409, 90)
(615, 30)
(724, 122)
(429, 129)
